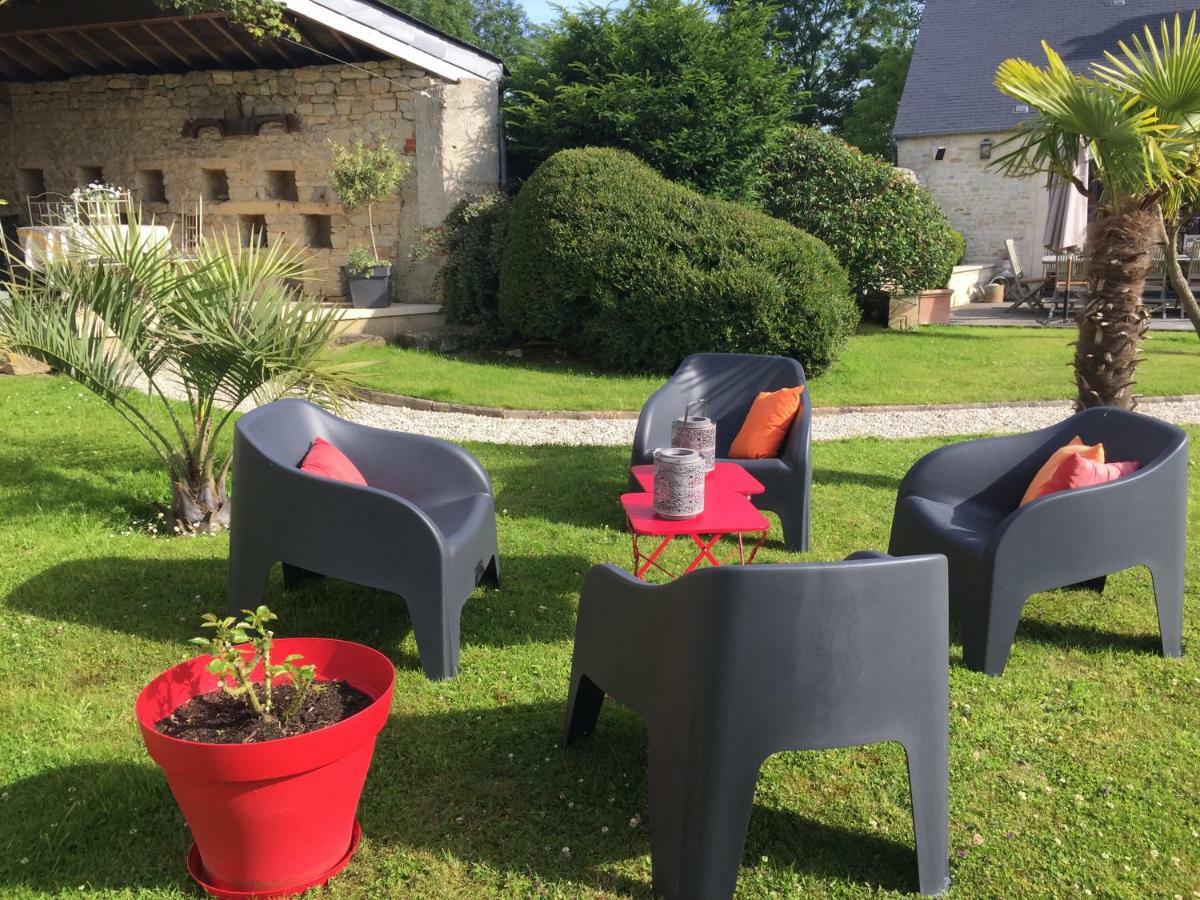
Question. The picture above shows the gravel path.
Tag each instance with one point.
(827, 426)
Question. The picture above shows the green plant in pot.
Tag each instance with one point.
(363, 176)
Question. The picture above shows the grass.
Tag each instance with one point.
(933, 365)
(1075, 772)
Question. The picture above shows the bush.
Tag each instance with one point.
(471, 240)
(624, 268)
(884, 227)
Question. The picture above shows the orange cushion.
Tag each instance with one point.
(328, 461)
(1078, 471)
(1038, 487)
(767, 424)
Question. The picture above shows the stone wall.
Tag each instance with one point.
(128, 130)
(983, 204)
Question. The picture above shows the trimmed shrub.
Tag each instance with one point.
(471, 240)
(621, 267)
(884, 227)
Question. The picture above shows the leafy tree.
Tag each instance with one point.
(216, 330)
(498, 26)
(1139, 116)
(695, 95)
(869, 123)
(262, 18)
(834, 44)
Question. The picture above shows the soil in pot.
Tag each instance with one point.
(218, 718)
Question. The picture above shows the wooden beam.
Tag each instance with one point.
(74, 51)
(217, 58)
(308, 36)
(153, 32)
(341, 40)
(37, 73)
(216, 23)
(46, 56)
(87, 37)
(49, 15)
(139, 51)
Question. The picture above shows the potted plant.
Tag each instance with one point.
(266, 744)
(363, 176)
(369, 278)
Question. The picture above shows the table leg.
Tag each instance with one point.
(641, 570)
(762, 539)
(705, 545)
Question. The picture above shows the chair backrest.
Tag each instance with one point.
(819, 654)
(1127, 436)
(1193, 269)
(730, 382)
(283, 431)
(1014, 258)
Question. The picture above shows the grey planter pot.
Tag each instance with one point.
(371, 291)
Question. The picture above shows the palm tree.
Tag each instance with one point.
(197, 337)
(1138, 115)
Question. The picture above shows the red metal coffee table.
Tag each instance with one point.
(725, 512)
(726, 476)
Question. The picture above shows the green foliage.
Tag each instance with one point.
(885, 228)
(235, 669)
(498, 26)
(834, 45)
(217, 330)
(360, 261)
(262, 18)
(471, 241)
(869, 122)
(362, 176)
(692, 94)
(622, 267)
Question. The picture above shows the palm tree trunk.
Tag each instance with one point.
(199, 504)
(1179, 283)
(1113, 320)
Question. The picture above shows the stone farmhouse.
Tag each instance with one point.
(193, 113)
(952, 117)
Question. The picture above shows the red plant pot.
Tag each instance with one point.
(273, 818)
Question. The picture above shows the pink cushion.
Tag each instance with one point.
(328, 461)
(1078, 471)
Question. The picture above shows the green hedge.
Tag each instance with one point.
(884, 227)
(471, 240)
(621, 267)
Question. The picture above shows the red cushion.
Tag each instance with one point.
(1078, 471)
(328, 461)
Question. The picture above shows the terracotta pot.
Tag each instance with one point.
(273, 818)
(933, 307)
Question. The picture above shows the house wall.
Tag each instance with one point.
(986, 206)
(128, 125)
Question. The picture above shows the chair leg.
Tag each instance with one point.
(989, 625)
(699, 813)
(928, 778)
(435, 626)
(491, 575)
(794, 524)
(248, 572)
(1168, 596)
(584, 701)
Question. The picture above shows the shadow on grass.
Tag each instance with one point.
(163, 599)
(861, 479)
(491, 787)
(568, 485)
(91, 827)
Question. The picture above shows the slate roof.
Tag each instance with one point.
(962, 42)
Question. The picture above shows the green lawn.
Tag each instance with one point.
(1075, 774)
(933, 365)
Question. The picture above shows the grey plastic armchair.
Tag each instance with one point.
(962, 501)
(728, 666)
(424, 528)
(730, 382)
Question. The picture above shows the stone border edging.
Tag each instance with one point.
(403, 401)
